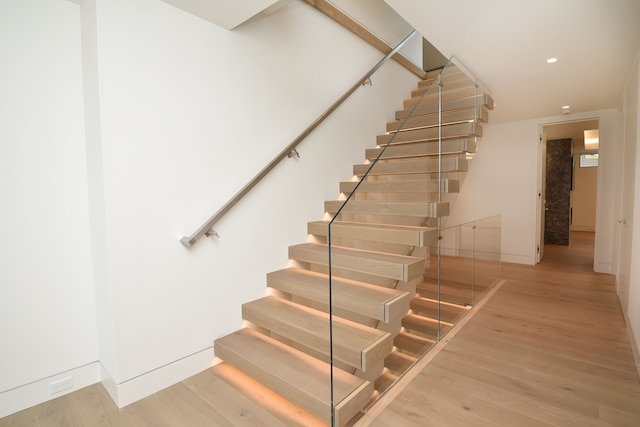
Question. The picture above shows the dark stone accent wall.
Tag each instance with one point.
(558, 192)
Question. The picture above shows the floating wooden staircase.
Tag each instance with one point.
(382, 312)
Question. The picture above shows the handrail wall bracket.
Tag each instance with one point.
(293, 153)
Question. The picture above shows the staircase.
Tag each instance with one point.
(379, 251)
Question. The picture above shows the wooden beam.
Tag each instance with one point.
(347, 22)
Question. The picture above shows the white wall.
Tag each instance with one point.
(632, 127)
(178, 115)
(583, 197)
(47, 312)
(503, 179)
(189, 113)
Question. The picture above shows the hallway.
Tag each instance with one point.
(549, 348)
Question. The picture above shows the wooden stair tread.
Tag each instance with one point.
(478, 114)
(357, 345)
(429, 307)
(399, 362)
(373, 301)
(459, 293)
(450, 90)
(413, 165)
(431, 133)
(412, 343)
(450, 83)
(419, 209)
(425, 325)
(431, 83)
(422, 148)
(401, 186)
(388, 233)
(296, 376)
(454, 104)
(398, 267)
(384, 381)
(449, 73)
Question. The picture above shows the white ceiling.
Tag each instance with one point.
(505, 43)
(225, 13)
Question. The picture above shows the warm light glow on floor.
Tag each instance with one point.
(276, 404)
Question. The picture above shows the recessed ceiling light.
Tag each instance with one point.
(552, 60)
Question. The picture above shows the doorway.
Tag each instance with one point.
(573, 209)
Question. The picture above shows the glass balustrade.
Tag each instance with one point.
(400, 276)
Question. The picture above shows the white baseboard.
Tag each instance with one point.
(134, 389)
(634, 344)
(123, 394)
(109, 383)
(603, 267)
(518, 259)
(37, 392)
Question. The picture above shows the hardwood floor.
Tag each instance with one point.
(548, 348)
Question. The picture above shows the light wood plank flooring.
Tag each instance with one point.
(549, 348)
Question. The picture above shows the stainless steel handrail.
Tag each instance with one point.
(206, 229)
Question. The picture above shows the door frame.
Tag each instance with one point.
(541, 198)
(542, 179)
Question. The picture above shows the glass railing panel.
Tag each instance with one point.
(452, 276)
(361, 268)
(379, 240)
(487, 259)
(383, 234)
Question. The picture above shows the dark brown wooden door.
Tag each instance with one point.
(558, 192)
